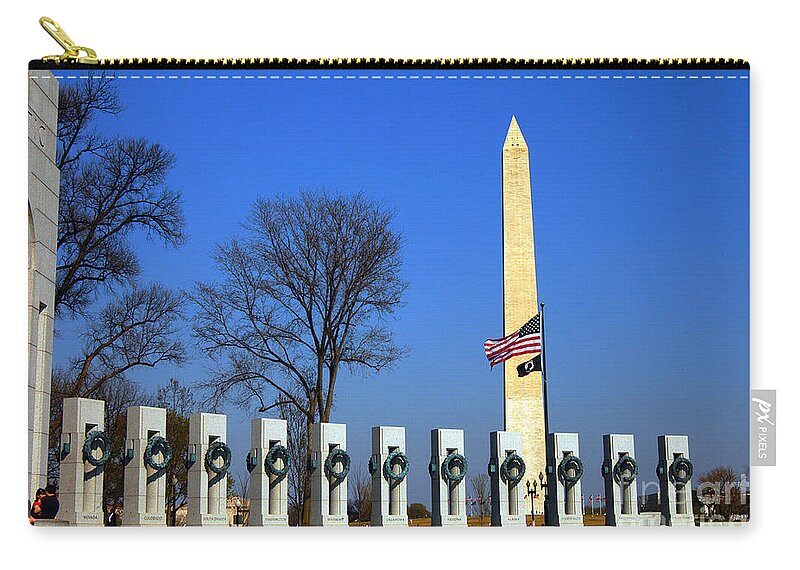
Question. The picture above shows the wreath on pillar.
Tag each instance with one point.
(396, 457)
(337, 455)
(93, 438)
(510, 462)
(454, 460)
(570, 462)
(155, 445)
(276, 452)
(681, 464)
(626, 463)
(214, 450)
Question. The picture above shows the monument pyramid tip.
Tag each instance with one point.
(514, 134)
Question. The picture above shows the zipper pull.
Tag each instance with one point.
(72, 52)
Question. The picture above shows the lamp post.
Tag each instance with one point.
(543, 487)
(532, 494)
(542, 484)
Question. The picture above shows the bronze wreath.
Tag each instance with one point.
(213, 449)
(396, 457)
(511, 461)
(92, 438)
(681, 464)
(570, 462)
(454, 460)
(337, 455)
(154, 444)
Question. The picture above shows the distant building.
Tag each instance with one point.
(234, 506)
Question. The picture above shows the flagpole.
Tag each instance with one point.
(544, 379)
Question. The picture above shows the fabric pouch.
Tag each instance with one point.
(306, 292)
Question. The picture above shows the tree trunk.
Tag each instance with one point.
(305, 518)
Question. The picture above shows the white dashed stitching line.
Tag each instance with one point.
(410, 77)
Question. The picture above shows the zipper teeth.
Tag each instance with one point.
(460, 63)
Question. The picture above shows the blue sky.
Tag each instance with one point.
(641, 212)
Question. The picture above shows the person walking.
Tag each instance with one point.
(110, 519)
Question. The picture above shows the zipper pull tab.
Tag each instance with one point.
(72, 52)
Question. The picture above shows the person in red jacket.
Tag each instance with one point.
(36, 508)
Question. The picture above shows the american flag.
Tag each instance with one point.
(526, 340)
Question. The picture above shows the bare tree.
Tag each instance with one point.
(176, 397)
(480, 494)
(78, 105)
(306, 289)
(360, 504)
(723, 491)
(136, 329)
(231, 485)
(243, 508)
(109, 187)
(297, 447)
(118, 394)
(179, 403)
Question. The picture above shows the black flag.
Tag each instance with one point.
(532, 365)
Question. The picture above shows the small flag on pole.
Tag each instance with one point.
(526, 340)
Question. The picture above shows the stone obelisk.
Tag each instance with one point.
(524, 406)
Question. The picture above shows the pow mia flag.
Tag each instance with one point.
(532, 365)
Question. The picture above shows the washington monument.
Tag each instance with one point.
(524, 406)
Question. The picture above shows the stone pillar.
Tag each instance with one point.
(329, 476)
(448, 493)
(563, 505)
(207, 489)
(620, 470)
(675, 473)
(81, 483)
(507, 474)
(43, 191)
(145, 485)
(389, 466)
(269, 502)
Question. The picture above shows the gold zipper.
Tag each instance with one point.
(78, 56)
(72, 53)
